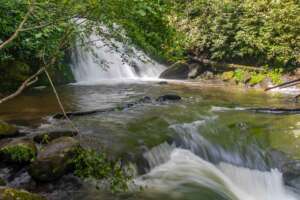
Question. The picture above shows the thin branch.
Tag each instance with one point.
(283, 84)
(59, 101)
(16, 33)
(29, 81)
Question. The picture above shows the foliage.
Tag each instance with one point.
(243, 31)
(253, 77)
(91, 164)
(226, 76)
(256, 78)
(240, 75)
(19, 153)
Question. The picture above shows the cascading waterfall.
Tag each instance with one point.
(192, 160)
(107, 60)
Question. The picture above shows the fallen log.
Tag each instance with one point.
(282, 111)
(146, 99)
(224, 65)
(286, 84)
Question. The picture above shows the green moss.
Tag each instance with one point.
(226, 76)
(13, 194)
(7, 130)
(256, 78)
(18, 153)
(91, 164)
(2, 182)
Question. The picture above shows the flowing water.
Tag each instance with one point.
(204, 147)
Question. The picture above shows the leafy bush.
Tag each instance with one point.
(256, 78)
(245, 31)
(91, 164)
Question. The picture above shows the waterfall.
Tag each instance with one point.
(193, 160)
(107, 60)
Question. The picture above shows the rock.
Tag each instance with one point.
(291, 173)
(2, 182)
(47, 137)
(7, 193)
(54, 160)
(194, 70)
(207, 75)
(18, 151)
(162, 83)
(169, 97)
(7, 130)
(176, 71)
(145, 99)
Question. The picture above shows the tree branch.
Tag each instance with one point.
(16, 33)
(29, 81)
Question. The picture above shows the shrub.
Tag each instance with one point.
(91, 164)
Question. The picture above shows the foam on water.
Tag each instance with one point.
(231, 182)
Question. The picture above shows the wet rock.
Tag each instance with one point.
(169, 97)
(7, 193)
(7, 130)
(195, 70)
(291, 173)
(47, 137)
(207, 75)
(145, 99)
(54, 160)
(176, 71)
(163, 83)
(18, 151)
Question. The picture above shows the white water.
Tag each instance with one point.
(204, 164)
(233, 183)
(107, 60)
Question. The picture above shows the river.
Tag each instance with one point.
(204, 147)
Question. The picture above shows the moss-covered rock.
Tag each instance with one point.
(15, 194)
(18, 151)
(54, 160)
(7, 130)
(47, 137)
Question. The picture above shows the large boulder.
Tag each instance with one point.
(18, 151)
(16, 194)
(47, 137)
(176, 71)
(7, 130)
(54, 160)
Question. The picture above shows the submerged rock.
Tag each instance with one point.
(18, 151)
(7, 130)
(54, 160)
(169, 97)
(47, 137)
(7, 193)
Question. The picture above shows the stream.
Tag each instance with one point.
(203, 147)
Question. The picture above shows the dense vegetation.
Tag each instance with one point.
(262, 33)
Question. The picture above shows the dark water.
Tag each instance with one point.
(209, 123)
